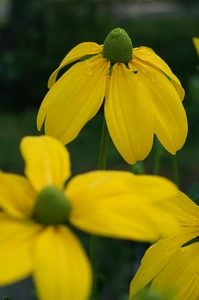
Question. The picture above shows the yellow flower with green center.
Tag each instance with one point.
(142, 97)
(196, 44)
(173, 262)
(36, 212)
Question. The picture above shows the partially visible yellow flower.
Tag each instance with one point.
(142, 97)
(36, 210)
(196, 44)
(173, 262)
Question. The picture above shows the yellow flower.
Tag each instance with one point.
(173, 262)
(142, 97)
(196, 44)
(37, 210)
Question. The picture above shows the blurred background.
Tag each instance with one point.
(35, 35)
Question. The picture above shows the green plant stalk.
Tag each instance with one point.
(101, 166)
(175, 170)
(157, 159)
(157, 164)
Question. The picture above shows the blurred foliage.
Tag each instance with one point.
(39, 33)
(193, 193)
(154, 295)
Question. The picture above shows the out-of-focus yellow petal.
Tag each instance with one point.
(183, 208)
(62, 270)
(170, 117)
(196, 44)
(129, 115)
(181, 274)
(17, 240)
(77, 52)
(112, 204)
(16, 196)
(148, 56)
(157, 257)
(47, 161)
(74, 99)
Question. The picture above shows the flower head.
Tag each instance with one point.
(36, 212)
(174, 256)
(142, 97)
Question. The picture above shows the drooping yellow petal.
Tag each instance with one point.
(17, 241)
(196, 44)
(74, 99)
(47, 161)
(158, 256)
(181, 274)
(170, 117)
(148, 56)
(112, 204)
(77, 52)
(183, 208)
(16, 196)
(61, 268)
(129, 115)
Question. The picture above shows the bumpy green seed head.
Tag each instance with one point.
(118, 47)
(51, 207)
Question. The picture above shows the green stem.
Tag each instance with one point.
(101, 166)
(93, 259)
(157, 164)
(103, 147)
(175, 170)
(157, 158)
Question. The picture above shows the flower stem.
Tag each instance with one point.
(101, 166)
(157, 164)
(157, 158)
(175, 170)
(103, 147)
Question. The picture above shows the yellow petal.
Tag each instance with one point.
(61, 268)
(196, 44)
(17, 196)
(170, 117)
(47, 161)
(183, 270)
(148, 56)
(76, 53)
(112, 204)
(17, 241)
(183, 208)
(129, 115)
(74, 99)
(157, 257)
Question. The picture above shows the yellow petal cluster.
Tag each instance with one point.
(141, 96)
(173, 262)
(107, 203)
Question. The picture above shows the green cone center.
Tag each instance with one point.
(51, 206)
(118, 47)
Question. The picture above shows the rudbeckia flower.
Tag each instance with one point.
(142, 97)
(36, 212)
(196, 44)
(173, 262)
